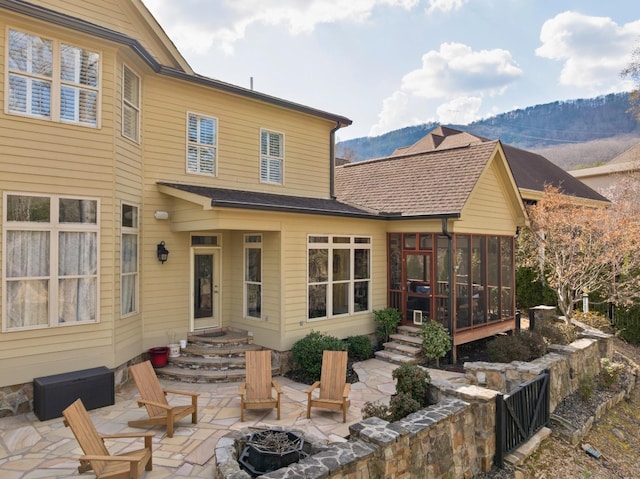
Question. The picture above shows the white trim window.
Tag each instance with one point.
(271, 157)
(50, 261)
(338, 275)
(52, 80)
(129, 264)
(201, 144)
(130, 104)
(253, 276)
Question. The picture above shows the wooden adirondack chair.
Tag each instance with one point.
(256, 391)
(334, 389)
(153, 397)
(128, 465)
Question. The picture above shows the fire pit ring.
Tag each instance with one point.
(270, 450)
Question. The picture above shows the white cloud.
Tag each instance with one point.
(445, 5)
(593, 50)
(456, 78)
(201, 24)
(461, 110)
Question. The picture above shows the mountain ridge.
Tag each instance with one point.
(570, 133)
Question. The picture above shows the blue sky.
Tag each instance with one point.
(387, 64)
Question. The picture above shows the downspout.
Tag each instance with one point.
(332, 158)
(445, 232)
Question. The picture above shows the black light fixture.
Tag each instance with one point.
(163, 253)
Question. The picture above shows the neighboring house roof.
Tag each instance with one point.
(251, 200)
(627, 156)
(73, 23)
(433, 183)
(532, 172)
(604, 176)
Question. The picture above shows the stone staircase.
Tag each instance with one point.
(212, 356)
(405, 347)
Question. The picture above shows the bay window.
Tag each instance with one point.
(50, 260)
(339, 275)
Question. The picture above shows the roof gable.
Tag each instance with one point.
(532, 172)
(434, 183)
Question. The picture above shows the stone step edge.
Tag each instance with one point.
(395, 358)
(403, 348)
(410, 340)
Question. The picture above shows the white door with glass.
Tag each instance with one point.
(205, 288)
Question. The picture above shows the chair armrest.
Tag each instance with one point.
(127, 434)
(276, 386)
(312, 387)
(346, 390)
(129, 458)
(183, 393)
(143, 402)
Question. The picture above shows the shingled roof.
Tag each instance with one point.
(251, 200)
(433, 183)
(531, 172)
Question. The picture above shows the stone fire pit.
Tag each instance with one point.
(271, 450)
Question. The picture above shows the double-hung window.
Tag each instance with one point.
(130, 105)
(50, 261)
(201, 144)
(52, 80)
(271, 157)
(253, 276)
(129, 260)
(339, 275)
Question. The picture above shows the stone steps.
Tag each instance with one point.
(213, 356)
(405, 347)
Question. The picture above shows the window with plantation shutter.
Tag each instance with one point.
(130, 104)
(53, 80)
(201, 144)
(271, 157)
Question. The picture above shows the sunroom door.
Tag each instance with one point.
(205, 288)
(418, 292)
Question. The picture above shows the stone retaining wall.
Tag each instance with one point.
(568, 366)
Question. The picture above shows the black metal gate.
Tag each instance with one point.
(520, 414)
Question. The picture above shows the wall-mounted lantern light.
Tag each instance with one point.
(163, 253)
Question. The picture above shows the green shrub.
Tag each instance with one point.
(534, 342)
(504, 349)
(307, 353)
(412, 380)
(359, 347)
(586, 388)
(387, 321)
(557, 332)
(436, 341)
(530, 291)
(609, 373)
(403, 404)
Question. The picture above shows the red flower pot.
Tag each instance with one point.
(159, 356)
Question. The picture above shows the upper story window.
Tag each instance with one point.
(130, 105)
(52, 80)
(51, 261)
(271, 157)
(201, 144)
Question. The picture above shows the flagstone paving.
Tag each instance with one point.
(34, 449)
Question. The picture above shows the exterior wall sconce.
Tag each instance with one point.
(163, 253)
(161, 215)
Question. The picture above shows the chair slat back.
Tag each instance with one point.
(333, 376)
(258, 367)
(149, 387)
(77, 418)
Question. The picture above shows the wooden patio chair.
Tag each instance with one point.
(153, 397)
(334, 389)
(257, 391)
(128, 465)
